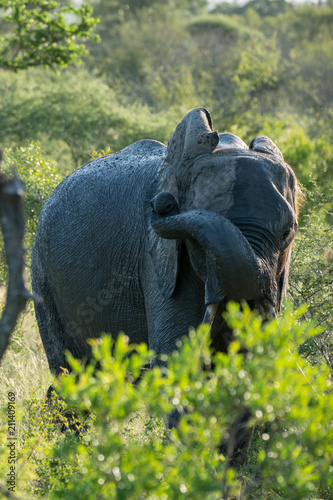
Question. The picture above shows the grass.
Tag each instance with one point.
(24, 369)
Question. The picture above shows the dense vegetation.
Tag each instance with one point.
(262, 68)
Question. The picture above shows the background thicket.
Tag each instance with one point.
(265, 67)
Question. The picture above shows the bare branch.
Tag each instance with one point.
(12, 223)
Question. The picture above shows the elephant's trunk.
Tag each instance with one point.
(233, 270)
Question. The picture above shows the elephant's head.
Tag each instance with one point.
(235, 208)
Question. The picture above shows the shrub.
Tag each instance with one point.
(128, 453)
(225, 25)
(311, 280)
(82, 114)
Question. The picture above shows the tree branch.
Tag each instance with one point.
(12, 224)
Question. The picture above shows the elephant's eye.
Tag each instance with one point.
(286, 234)
(292, 229)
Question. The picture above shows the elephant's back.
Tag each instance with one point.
(106, 189)
(92, 227)
(112, 174)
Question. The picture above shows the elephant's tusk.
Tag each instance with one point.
(269, 311)
(273, 313)
(210, 314)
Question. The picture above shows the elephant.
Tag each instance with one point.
(155, 239)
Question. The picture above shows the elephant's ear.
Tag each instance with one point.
(165, 258)
(193, 136)
(264, 144)
(227, 140)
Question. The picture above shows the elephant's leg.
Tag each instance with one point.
(170, 319)
(51, 328)
(237, 440)
(57, 333)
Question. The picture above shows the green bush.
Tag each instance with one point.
(311, 279)
(225, 25)
(126, 451)
(82, 113)
(40, 178)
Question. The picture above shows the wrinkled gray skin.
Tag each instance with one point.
(143, 240)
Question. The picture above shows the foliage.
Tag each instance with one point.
(119, 12)
(311, 280)
(40, 179)
(253, 72)
(263, 7)
(225, 24)
(82, 114)
(41, 34)
(126, 452)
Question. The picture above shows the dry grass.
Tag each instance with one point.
(24, 369)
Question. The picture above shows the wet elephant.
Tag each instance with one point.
(153, 239)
